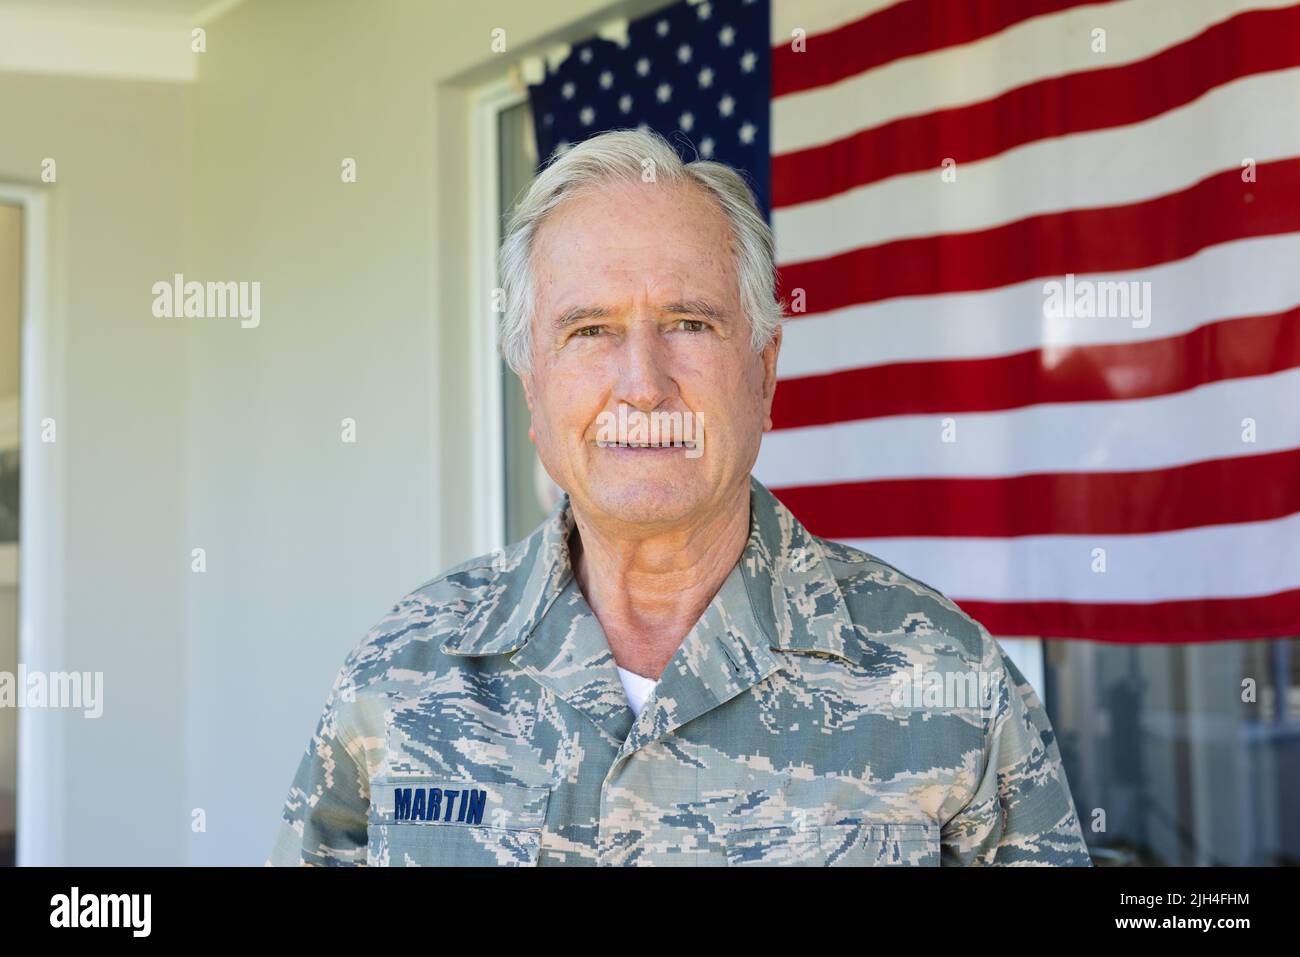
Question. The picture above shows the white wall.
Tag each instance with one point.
(195, 433)
(365, 315)
(117, 221)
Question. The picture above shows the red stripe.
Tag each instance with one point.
(1250, 43)
(1229, 349)
(1208, 619)
(1218, 209)
(903, 30)
(1249, 488)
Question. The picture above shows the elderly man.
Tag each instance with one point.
(670, 670)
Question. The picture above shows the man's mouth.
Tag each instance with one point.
(683, 445)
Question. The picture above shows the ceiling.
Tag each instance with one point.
(132, 10)
(124, 39)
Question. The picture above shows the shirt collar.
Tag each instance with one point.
(795, 598)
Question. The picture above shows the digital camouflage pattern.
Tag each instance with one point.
(483, 722)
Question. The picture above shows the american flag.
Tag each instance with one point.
(1043, 260)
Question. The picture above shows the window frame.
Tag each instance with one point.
(487, 104)
(39, 790)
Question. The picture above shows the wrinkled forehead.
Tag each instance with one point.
(625, 239)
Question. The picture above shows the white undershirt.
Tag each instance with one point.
(637, 687)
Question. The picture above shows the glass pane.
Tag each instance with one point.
(1185, 754)
(524, 509)
(11, 264)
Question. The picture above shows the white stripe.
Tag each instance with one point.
(1112, 167)
(1135, 434)
(1166, 566)
(1030, 51)
(819, 16)
(1241, 278)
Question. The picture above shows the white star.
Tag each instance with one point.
(706, 77)
(704, 10)
(567, 91)
(664, 92)
(684, 53)
(606, 80)
(586, 114)
(706, 147)
(747, 132)
(548, 119)
(748, 61)
(562, 147)
(643, 66)
(661, 28)
(726, 105)
(625, 103)
(686, 121)
(727, 35)
(643, 126)
(585, 55)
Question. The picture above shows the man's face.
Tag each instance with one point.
(638, 303)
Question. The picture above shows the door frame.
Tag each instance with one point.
(40, 549)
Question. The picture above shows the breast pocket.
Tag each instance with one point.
(860, 844)
(436, 822)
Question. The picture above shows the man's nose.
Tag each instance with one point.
(643, 379)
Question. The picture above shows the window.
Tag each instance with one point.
(11, 296)
(1158, 739)
(523, 481)
(1176, 754)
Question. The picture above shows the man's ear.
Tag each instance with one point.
(526, 380)
(769, 356)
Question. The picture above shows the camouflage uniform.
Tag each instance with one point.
(483, 722)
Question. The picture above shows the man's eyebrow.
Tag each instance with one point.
(689, 307)
(580, 314)
(694, 307)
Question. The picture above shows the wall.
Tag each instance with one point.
(117, 224)
(364, 315)
(194, 433)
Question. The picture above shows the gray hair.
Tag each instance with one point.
(624, 156)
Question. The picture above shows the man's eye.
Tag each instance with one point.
(693, 325)
(588, 331)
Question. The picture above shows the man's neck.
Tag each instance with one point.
(648, 593)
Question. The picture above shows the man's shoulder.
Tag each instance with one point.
(895, 608)
(476, 576)
(408, 638)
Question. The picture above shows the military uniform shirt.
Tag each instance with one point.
(483, 722)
